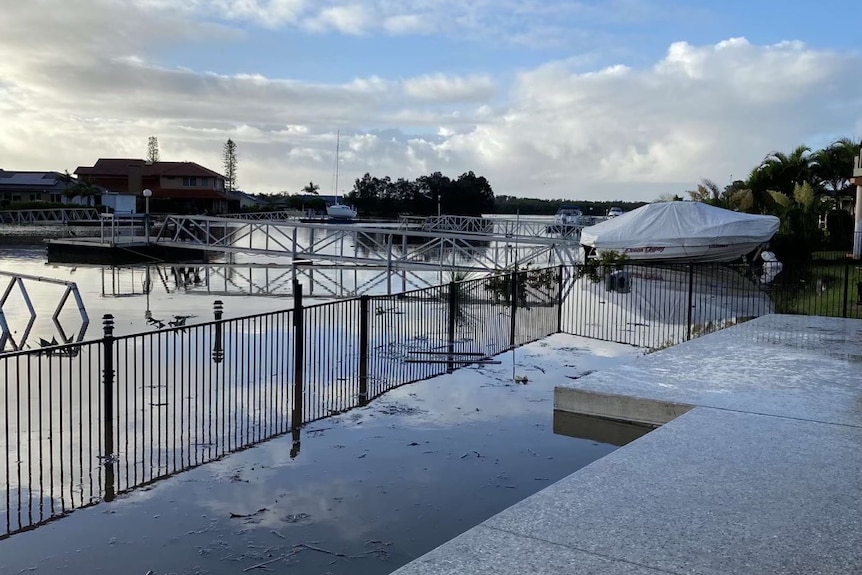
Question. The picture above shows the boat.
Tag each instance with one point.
(567, 220)
(680, 232)
(339, 211)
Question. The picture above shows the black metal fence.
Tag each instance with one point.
(85, 422)
(655, 306)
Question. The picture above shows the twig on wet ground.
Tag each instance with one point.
(263, 564)
(379, 551)
(245, 515)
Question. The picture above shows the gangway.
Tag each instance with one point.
(50, 216)
(504, 244)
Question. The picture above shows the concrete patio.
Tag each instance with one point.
(756, 468)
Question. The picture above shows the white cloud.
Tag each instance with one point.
(563, 129)
(443, 88)
(349, 19)
(405, 24)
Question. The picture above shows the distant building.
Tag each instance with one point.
(178, 187)
(238, 201)
(31, 187)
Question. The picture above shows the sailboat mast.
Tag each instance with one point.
(337, 142)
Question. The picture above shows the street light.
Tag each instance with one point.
(147, 193)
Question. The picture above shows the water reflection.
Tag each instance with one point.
(600, 429)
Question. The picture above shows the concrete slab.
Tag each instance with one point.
(760, 472)
(791, 366)
(712, 492)
(487, 551)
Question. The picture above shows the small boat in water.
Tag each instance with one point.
(339, 211)
(568, 220)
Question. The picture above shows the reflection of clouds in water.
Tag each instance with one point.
(471, 394)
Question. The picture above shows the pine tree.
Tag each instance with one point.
(153, 150)
(230, 162)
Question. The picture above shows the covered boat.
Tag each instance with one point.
(680, 231)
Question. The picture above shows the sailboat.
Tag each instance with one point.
(339, 211)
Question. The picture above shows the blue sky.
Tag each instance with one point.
(623, 99)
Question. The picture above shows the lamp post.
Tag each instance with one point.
(147, 193)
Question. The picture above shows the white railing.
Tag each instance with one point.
(49, 216)
(16, 279)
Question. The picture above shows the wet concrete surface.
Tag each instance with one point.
(369, 491)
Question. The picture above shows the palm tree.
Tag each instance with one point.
(782, 172)
(66, 179)
(83, 189)
(708, 192)
(311, 189)
(833, 165)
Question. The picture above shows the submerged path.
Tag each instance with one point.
(756, 468)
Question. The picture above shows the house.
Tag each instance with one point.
(31, 187)
(178, 187)
(239, 201)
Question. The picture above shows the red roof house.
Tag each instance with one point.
(176, 186)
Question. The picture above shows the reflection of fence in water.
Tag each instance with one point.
(83, 422)
(88, 421)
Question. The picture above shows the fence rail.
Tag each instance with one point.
(86, 421)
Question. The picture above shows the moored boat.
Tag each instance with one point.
(680, 231)
(339, 211)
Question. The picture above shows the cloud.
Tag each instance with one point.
(443, 88)
(79, 84)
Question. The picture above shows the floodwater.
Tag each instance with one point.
(366, 492)
(246, 284)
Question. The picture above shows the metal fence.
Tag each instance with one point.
(655, 306)
(84, 422)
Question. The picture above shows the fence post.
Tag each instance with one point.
(453, 312)
(363, 350)
(690, 298)
(560, 299)
(513, 289)
(298, 355)
(846, 287)
(108, 395)
(218, 348)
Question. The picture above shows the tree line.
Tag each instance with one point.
(800, 188)
(536, 206)
(468, 195)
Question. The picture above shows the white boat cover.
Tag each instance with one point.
(679, 224)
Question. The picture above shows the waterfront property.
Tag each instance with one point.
(755, 468)
(176, 186)
(158, 397)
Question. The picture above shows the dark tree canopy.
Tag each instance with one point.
(469, 195)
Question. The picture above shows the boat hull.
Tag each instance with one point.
(687, 253)
(340, 212)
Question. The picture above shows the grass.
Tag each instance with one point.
(818, 289)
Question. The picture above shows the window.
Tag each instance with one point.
(190, 182)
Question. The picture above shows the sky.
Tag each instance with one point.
(579, 100)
